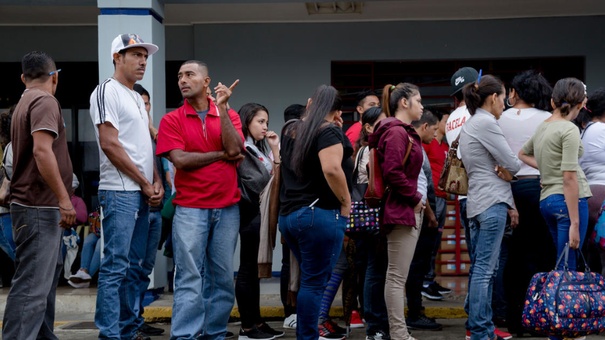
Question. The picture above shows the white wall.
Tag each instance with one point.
(281, 64)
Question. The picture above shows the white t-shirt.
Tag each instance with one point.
(453, 126)
(593, 160)
(124, 108)
(518, 128)
(422, 180)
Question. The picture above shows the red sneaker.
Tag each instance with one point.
(356, 321)
(504, 335)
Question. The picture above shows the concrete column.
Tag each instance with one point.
(142, 17)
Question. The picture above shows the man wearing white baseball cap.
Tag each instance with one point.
(128, 185)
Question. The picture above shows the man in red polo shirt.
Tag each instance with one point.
(203, 140)
(365, 101)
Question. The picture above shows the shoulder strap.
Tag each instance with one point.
(286, 124)
(586, 128)
(3, 168)
(358, 160)
(408, 150)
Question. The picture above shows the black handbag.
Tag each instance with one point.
(363, 220)
(252, 176)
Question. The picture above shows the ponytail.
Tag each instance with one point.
(386, 97)
(475, 93)
(391, 95)
(567, 93)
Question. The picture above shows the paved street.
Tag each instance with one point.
(452, 329)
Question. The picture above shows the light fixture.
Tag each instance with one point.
(334, 7)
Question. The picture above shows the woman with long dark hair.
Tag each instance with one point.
(529, 98)
(262, 147)
(402, 208)
(489, 200)
(315, 201)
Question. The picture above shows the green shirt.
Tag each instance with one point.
(557, 147)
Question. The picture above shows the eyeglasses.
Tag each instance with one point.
(53, 72)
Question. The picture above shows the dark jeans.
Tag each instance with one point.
(30, 305)
(499, 301)
(421, 265)
(375, 309)
(247, 285)
(440, 211)
(315, 236)
(531, 249)
(284, 280)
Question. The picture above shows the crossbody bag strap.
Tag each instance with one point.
(408, 150)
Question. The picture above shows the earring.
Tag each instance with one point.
(507, 101)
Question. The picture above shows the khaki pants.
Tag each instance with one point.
(401, 244)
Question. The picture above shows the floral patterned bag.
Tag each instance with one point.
(565, 303)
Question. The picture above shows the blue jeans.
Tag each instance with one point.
(486, 230)
(315, 237)
(374, 306)
(554, 210)
(6, 236)
(125, 227)
(204, 243)
(91, 254)
(153, 239)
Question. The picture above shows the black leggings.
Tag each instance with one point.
(247, 285)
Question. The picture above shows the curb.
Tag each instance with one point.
(164, 314)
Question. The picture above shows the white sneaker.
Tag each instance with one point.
(290, 322)
(79, 285)
(80, 277)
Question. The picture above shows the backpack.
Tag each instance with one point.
(376, 188)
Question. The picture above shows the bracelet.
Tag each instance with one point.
(276, 163)
(60, 207)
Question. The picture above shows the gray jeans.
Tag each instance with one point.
(30, 305)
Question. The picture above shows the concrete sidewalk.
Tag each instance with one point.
(72, 303)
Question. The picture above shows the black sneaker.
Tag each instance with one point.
(254, 333)
(325, 333)
(140, 336)
(265, 328)
(149, 330)
(423, 323)
(442, 290)
(380, 335)
(334, 328)
(431, 294)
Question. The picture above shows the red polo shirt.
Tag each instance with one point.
(213, 186)
(437, 152)
(353, 133)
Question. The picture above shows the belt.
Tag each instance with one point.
(529, 177)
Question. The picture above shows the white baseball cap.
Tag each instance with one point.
(125, 41)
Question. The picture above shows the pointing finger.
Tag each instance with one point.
(234, 84)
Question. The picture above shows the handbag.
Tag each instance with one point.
(598, 234)
(363, 220)
(376, 188)
(252, 175)
(565, 303)
(453, 179)
(5, 187)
